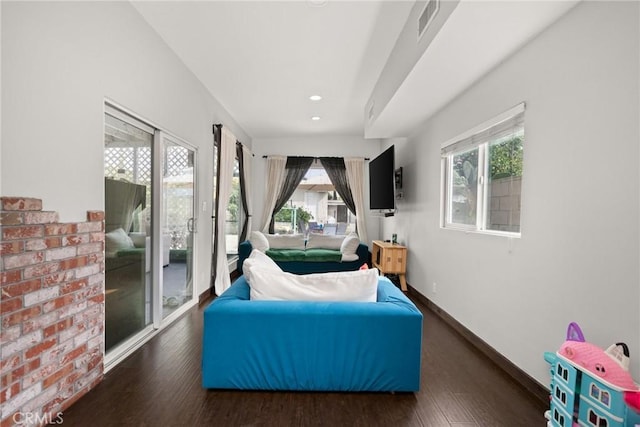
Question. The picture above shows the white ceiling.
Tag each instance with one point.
(263, 59)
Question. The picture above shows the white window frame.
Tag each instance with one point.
(473, 139)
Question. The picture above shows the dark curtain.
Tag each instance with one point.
(296, 169)
(338, 175)
(243, 193)
(217, 138)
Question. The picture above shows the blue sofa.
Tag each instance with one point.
(307, 267)
(319, 346)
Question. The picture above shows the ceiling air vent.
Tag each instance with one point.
(427, 15)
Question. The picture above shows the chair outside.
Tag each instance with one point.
(330, 229)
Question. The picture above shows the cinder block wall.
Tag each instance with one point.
(52, 311)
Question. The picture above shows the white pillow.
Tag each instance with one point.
(349, 286)
(320, 241)
(350, 244)
(286, 241)
(258, 241)
(139, 239)
(258, 259)
(116, 240)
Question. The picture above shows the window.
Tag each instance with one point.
(315, 207)
(234, 213)
(600, 395)
(596, 420)
(561, 395)
(562, 372)
(482, 174)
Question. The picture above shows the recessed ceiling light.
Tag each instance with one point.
(315, 118)
(315, 97)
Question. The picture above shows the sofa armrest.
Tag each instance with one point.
(244, 250)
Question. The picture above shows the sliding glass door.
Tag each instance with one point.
(178, 224)
(150, 201)
(128, 238)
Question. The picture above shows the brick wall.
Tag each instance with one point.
(51, 308)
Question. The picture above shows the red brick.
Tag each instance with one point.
(39, 348)
(11, 218)
(95, 215)
(74, 354)
(8, 421)
(58, 229)
(23, 260)
(10, 276)
(10, 391)
(10, 363)
(21, 232)
(46, 243)
(57, 278)
(17, 289)
(58, 303)
(41, 217)
(75, 239)
(96, 360)
(21, 204)
(70, 263)
(97, 298)
(96, 237)
(10, 305)
(52, 379)
(73, 286)
(21, 316)
(7, 248)
(18, 373)
(41, 270)
(60, 326)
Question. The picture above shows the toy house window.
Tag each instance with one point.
(563, 373)
(559, 418)
(600, 395)
(561, 395)
(596, 420)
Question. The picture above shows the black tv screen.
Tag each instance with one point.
(381, 181)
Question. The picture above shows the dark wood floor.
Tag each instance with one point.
(159, 385)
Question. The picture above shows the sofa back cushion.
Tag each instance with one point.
(320, 241)
(267, 284)
(258, 241)
(295, 241)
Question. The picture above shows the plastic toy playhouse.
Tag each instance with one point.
(591, 386)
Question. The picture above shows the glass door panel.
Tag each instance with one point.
(127, 171)
(178, 202)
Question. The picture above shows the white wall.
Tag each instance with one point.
(346, 146)
(578, 256)
(59, 63)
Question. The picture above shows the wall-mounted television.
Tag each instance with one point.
(382, 182)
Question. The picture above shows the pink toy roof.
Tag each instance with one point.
(598, 363)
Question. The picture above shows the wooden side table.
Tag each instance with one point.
(390, 258)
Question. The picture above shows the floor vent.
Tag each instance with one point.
(427, 15)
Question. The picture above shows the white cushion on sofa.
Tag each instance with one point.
(350, 244)
(351, 286)
(286, 241)
(258, 241)
(320, 241)
(116, 240)
(258, 259)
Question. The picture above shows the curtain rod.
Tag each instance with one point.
(315, 158)
(219, 125)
